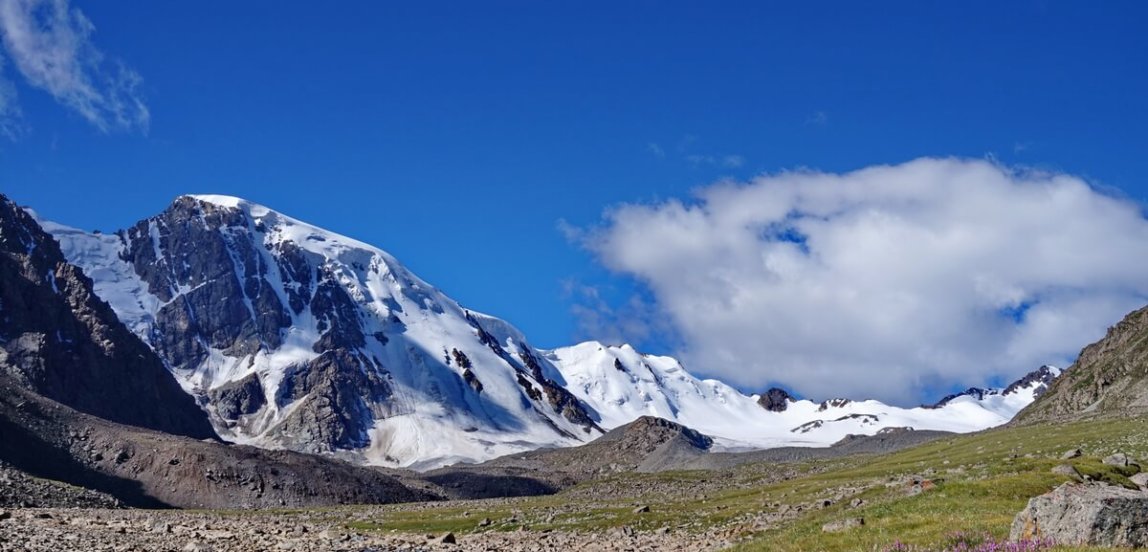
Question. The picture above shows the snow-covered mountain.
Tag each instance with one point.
(618, 384)
(292, 336)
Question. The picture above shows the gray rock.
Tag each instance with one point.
(842, 525)
(1066, 469)
(642, 509)
(1069, 455)
(1121, 460)
(1085, 515)
(448, 538)
(4, 514)
(1140, 480)
(196, 546)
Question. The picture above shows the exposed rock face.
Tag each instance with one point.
(59, 339)
(1044, 376)
(775, 400)
(1109, 377)
(1086, 515)
(340, 396)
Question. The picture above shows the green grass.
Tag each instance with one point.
(980, 482)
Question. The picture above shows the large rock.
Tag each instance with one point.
(1085, 515)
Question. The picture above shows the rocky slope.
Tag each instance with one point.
(140, 467)
(59, 339)
(1110, 377)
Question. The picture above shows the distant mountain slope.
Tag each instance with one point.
(1110, 377)
(58, 339)
(297, 337)
(619, 384)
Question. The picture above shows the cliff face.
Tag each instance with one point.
(1109, 378)
(58, 339)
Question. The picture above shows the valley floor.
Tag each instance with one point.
(926, 498)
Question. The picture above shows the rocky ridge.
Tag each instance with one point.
(60, 340)
(1109, 378)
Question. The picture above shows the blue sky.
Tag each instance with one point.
(458, 135)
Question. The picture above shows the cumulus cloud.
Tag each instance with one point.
(889, 282)
(50, 44)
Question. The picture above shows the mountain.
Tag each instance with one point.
(1109, 377)
(291, 336)
(1033, 385)
(619, 384)
(58, 339)
(296, 337)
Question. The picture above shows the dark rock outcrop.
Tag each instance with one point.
(59, 339)
(775, 400)
(1085, 515)
(340, 397)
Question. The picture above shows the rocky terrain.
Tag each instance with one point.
(60, 340)
(1110, 377)
(46, 530)
(141, 467)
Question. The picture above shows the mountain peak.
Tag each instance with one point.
(218, 199)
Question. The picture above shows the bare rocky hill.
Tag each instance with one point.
(60, 340)
(1110, 377)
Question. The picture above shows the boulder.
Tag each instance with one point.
(1067, 470)
(1085, 515)
(1140, 480)
(1121, 460)
(1069, 455)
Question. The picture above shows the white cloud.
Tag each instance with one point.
(50, 45)
(887, 281)
(656, 150)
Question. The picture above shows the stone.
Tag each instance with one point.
(642, 509)
(1066, 470)
(5, 514)
(842, 525)
(1085, 515)
(196, 546)
(448, 538)
(1121, 460)
(1140, 480)
(485, 522)
(1069, 455)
